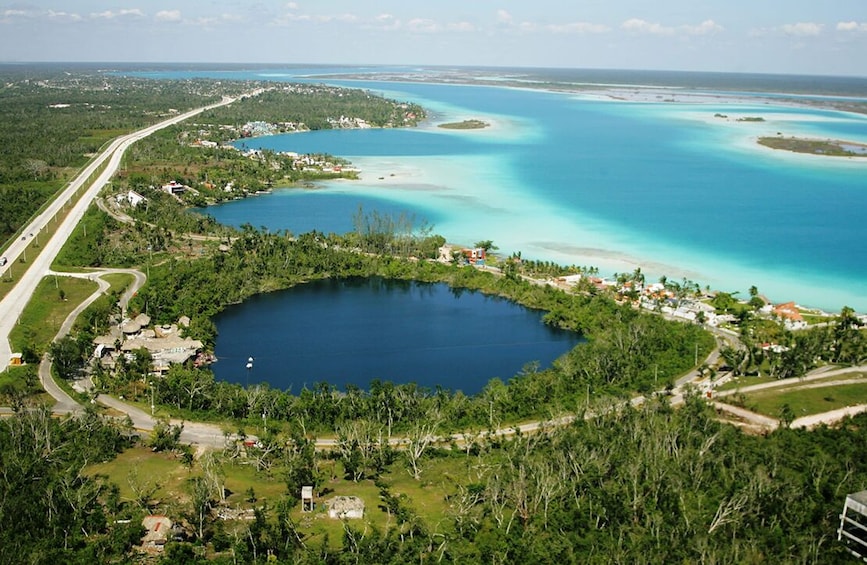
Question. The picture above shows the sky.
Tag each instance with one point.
(824, 37)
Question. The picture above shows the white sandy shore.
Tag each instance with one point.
(471, 207)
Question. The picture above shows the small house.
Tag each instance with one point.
(475, 256)
(158, 530)
(345, 508)
(307, 499)
(444, 254)
(134, 198)
(174, 188)
(788, 311)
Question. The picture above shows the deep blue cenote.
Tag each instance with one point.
(352, 331)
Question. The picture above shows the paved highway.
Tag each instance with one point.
(14, 302)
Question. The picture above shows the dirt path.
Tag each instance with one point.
(795, 382)
(753, 418)
(831, 417)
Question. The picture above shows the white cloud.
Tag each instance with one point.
(706, 27)
(15, 14)
(63, 16)
(504, 17)
(852, 26)
(386, 22)
(168, 16)
(423, 25)
(231, 18)
(578, 27)
(461, 26)
(111, 15)
(337, 18)
(285, 19)
(292, 6)
(802, 29)
(637, 25)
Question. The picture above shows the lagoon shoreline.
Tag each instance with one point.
(504, 203)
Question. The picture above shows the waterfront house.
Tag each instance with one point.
(790, 314)
(475, 256)
(444, 254)
(165, 344)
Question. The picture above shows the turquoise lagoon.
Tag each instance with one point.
(583, 180)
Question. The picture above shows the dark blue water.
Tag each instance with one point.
(354, 331)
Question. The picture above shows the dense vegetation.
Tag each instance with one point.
(50, 512)
(466, 124)
(51, 122)
(646, 485)
(313, 107)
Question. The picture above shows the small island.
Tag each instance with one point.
(743, 119)
(829, 147)
(466, 124)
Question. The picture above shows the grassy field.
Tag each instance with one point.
(165, 476)
(118, 281)
(46, 311)
(22, 381)
(806, 401)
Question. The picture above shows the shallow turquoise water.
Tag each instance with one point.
(615, 184)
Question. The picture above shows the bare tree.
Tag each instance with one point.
(420, 437)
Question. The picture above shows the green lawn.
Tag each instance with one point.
(165, 473)
(139, 467)
(808, 401)
(45, 313)
(118, 281)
